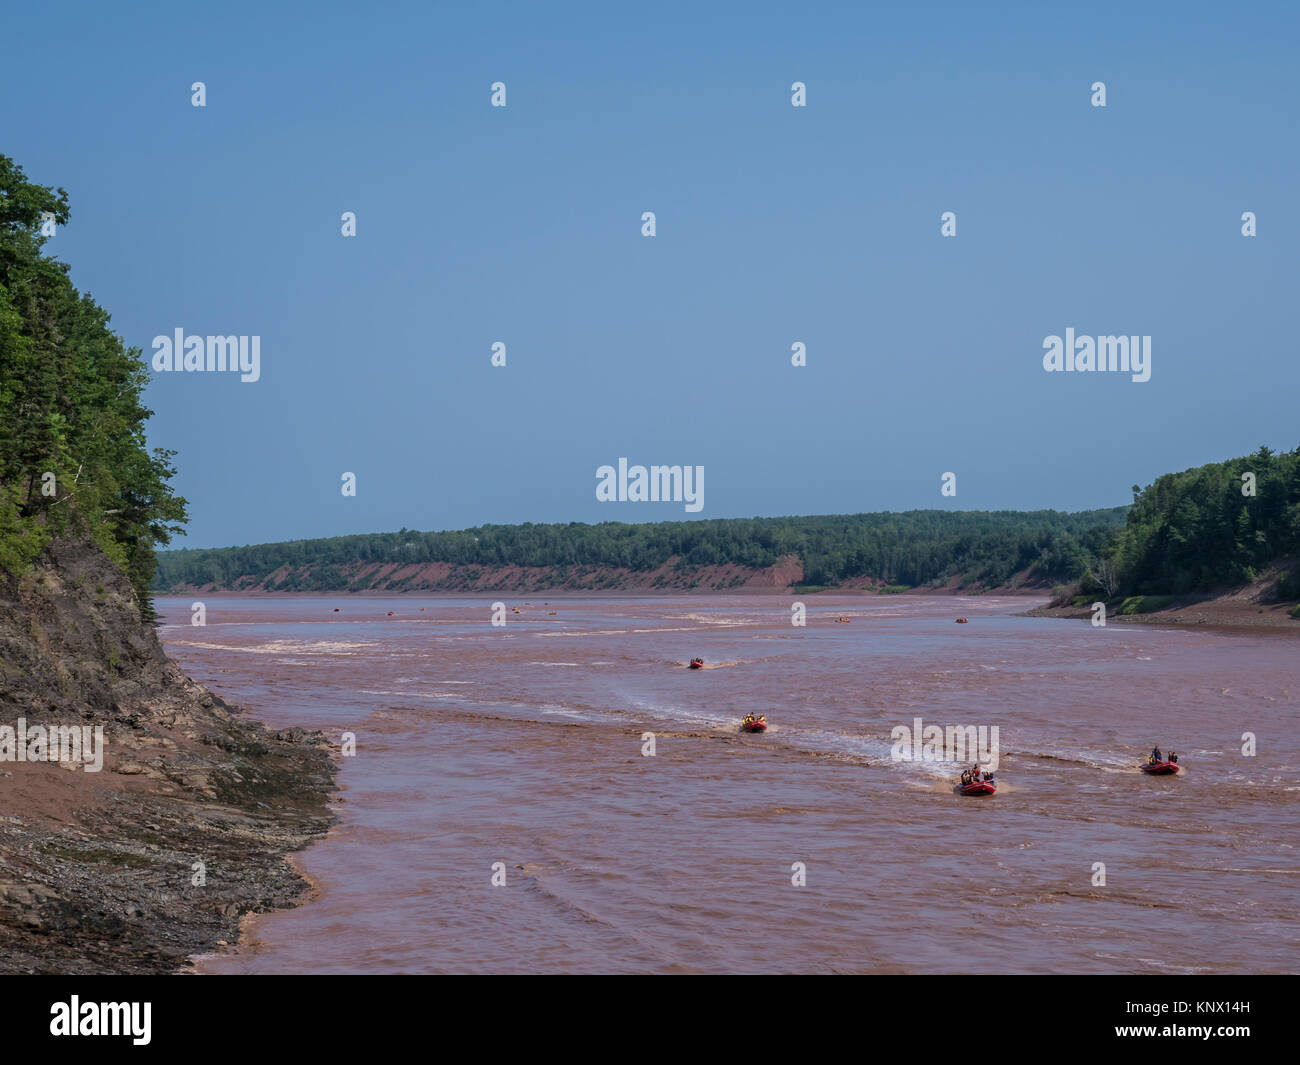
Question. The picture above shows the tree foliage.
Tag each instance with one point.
(1197, 530)
(70, 407)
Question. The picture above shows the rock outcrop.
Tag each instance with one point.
(155, 856)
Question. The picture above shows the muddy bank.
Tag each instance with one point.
(378, 578)
(1226, 611)
(155, 856)
(441, 578)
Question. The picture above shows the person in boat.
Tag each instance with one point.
(1173, 757)
(965, 777)
(1155, 756)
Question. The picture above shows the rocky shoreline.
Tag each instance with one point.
(186, 827)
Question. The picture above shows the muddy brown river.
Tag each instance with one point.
(502, 813)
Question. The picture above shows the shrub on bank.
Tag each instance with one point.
(1288, 586)
(1065, 595)
(1145, 604)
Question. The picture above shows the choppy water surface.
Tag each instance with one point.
(522, 745)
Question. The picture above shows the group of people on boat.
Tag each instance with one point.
(1156, 757)
(749, 720)
(974, 775)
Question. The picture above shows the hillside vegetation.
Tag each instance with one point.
(1187, 532)
(913, 548)
(73, 456)
(1204, 528)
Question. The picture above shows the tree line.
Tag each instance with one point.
(910, 548)
(1217, 525)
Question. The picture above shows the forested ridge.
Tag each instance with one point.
(1221, 524)
(73, 455)
(910, 548)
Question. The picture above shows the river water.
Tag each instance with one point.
(523, 745)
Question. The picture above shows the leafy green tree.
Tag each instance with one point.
(70, 407)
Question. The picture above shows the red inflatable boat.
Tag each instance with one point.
(696, 663)
(753, 724)
(976, 787)
(1157, 769)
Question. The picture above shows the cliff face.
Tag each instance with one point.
(185, 826)
(444, 577)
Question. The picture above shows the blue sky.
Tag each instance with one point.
(775, 224)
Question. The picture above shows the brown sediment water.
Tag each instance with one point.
(522, 745)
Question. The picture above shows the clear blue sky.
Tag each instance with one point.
(775, 225)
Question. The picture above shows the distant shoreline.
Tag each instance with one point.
(606, 593)
(1229, 611)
